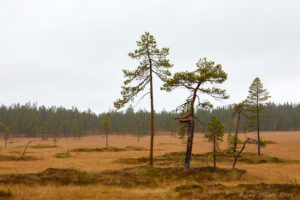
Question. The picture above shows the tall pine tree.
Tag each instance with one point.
(256, 100)
(153, 61)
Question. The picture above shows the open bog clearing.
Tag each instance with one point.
(82, 168)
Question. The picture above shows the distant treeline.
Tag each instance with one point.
(32, 121)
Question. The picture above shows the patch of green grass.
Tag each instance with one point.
(19, 152)
(6, 192)
(16, 158)
(109, 149)
(145, 176)
(178, 158)
(270, 142)
(239, 192)
(252, 158)
(263, 142)
(66, 154)
(104, 149)
(155, 176)
(166, 159)
(133, 148)
(43, 146)
(54, 176)
(132, 161)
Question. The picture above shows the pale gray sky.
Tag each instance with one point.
(71, 52)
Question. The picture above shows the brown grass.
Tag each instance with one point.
(286, 146)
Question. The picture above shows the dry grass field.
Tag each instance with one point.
(100, 173)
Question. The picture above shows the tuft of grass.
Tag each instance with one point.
(66, 154)
(188, 190)
(6, 192)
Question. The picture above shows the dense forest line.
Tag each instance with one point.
(32, 121)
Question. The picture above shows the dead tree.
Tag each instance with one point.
(241, 151)
(23, 155)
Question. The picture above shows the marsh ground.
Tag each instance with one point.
(287, 146)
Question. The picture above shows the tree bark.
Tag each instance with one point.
(258, 133)
(106, 139)
(214, 154)
(236, 133)
(152, 115)
(189, 118)
(189, 145)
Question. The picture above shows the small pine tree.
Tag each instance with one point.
(54, 140)
(106, 127)
(232, 141)
(238, 110)
(215, 134)
(256, 100)
(6, 135)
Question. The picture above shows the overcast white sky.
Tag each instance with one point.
(71, 53)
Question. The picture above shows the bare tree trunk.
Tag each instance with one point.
(189, 146)
(214, 154)
(236, 133)
(106, 139)
(258, 133)
(206, 157)
(152, 115)
(189, 118)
